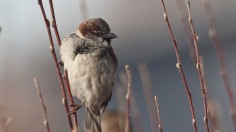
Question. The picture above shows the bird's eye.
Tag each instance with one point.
(97, 33)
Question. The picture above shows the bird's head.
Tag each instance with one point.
(95, 29)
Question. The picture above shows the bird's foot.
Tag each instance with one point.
(60, 63)
(75, 107)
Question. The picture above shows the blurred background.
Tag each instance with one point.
(142, 37)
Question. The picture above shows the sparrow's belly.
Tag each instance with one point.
(91, 79)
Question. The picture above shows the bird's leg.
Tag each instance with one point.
(76, 107)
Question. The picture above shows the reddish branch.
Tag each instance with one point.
(158, 113)
(129, 75)
(54, 25)
(179, 66)
(64, 99)
(188, 33)
(198, 66)
(43, 105)
(220, 54)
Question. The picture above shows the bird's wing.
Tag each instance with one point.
(104, 104)
(67, 48)
(79, 45)
(114, 59)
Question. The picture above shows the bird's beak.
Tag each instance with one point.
(109, 36)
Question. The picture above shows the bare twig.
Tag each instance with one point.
(220, 55)
(203, 73)
(120, 91)
(54, 25)
(179, 66)
(211, 125)
(43, 105)
(214, 116)
(198, 66)
(129, 75)
(158, 113)
(187, 29)
(75, 129)
(5, 119)
(148, 93)
(64, 99)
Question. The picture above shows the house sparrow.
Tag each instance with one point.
(91, 64)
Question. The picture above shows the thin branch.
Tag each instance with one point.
(198, 66)
(187, 29)
(68, 89)
(214, 116)
(158, 113)
(179, 66)
(43, 105)
(120, 91)
(5, 119)
(220, 55)
(208, 98)
(203, 73)
(64, 99)
(54, 25)
(148, 93)
(129, 75)
(213, 112)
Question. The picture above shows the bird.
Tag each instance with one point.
(91, 63)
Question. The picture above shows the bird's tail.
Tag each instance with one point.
(92, 123)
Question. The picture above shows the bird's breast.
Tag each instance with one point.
(92, 77)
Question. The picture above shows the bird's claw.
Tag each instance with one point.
(75, 107)
(60, 63)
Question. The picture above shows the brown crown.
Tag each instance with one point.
(95, 24)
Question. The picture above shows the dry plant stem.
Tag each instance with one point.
(179, 66)
(214, 116)
(213, 121)
(64, 99)
(129, 75)
(54, 25)
(205, 85)
(203, 73)
(148, 93)
(220, 55)
(71, 100)
(43, 105)
(198, 66)
(68, 88)
(158, 113)
(120, 93)
(188, 33)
